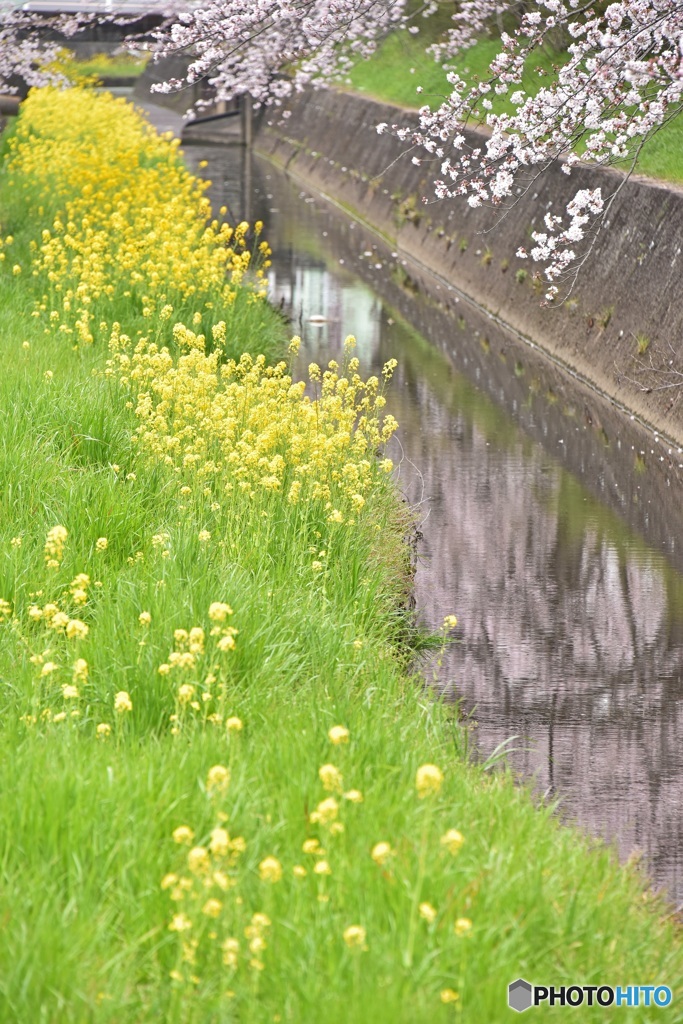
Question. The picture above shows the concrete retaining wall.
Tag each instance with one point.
(630, 292)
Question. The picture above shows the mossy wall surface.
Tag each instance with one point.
(627, 306)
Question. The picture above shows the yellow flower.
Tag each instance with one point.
(204, 536)
(331, 778)
(338, 734)
(48, 667)
(76, 630)
(234, 724)
(218, 611)
(144, 618)
(198, 860)
(218, 779)
(354, 796)
(450, 622)
(16, 542)
(312, 846)
(322, 867)
(354, 936)
(80, 670)
(226, 643)
(101, 544)
(428, 780)
(183, 834)
(299, 871)
(381, 852)
(221, 880)
(69, 692)
(61, 717)
(270, 870)
(428, 912)
(452, 840)
(230, 949)
(103, 730)
(212, 908)
(180, 923)
(462, 926)
(220, 842)
(325, 812)
(185, 693)
(168, 881)
(449, 995)
(122, 702)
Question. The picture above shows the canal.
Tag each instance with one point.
(550, 523)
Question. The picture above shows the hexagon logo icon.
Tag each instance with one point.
(520, 995)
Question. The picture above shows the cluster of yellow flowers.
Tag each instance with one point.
(135, 226)
(197, 666)
(247, 428)
(53, 630)
(206, 921)
(207, 887)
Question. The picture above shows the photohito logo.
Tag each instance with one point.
(522, 995)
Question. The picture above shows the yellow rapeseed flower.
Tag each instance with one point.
(325, 812)
(428, 780)
(331, 778)
(220, 842)
(354, 937)
(312, 846)
(198, 860)
(218, 779)
(212, 907)
(180, 923)
(122, 702)
(183, 834)
(381, 852)
(428, 912)
(338, 734)
(462, 926)
(270, 870)
(219, 611)
(76, 630)
(452, 840)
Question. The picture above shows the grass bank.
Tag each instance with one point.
(224, 796)
(401, 65)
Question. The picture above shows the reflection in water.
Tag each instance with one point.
(571, 624)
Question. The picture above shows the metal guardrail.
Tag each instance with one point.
(212, 117)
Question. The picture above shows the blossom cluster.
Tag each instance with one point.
(217, 881)
(621, 80)
(245, 48)
(246, 428)
(137, 229)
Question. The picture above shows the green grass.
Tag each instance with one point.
(384, 77)
(86, 824)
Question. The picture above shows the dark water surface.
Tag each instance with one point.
(552, 525)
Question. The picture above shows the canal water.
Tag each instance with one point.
(551, 524)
